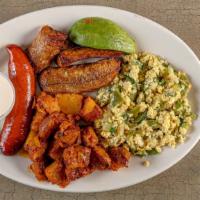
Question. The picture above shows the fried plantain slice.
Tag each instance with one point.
(70, 56)
(81, 78)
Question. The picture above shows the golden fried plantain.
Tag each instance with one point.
(70, 56)
(81, 78)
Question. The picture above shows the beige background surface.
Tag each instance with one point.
(181, 182)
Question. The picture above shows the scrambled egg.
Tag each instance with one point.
(146, 107)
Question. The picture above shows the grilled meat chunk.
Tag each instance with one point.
(47, 44)
(70, 56)
(81, 78)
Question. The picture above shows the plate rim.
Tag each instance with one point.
(154, 23)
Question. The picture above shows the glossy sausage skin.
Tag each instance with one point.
(16, 125)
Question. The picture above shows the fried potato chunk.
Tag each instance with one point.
(119, 156)
(49, 125)
(76, 157)
(38, 169)
(73, 174)
(90, 111)
(89, 137)
(36, 149)
(37, 119)
(55, 150)
(67, 123)
(69, 56)
(68, 137)
(48, 103)
(70, 103)
(55, 173)
(47, 44)
(99, 158)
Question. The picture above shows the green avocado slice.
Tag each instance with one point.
(101, 33)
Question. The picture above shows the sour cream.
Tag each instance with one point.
(7, 95)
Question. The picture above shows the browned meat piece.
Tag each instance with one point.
(73, 174)
(55, 173)
(68, 137)
(36, 149)
(90, 111)
(76, 157)
(99, 158)
(55, 151)
(45, 47)
(81, 78)
(48, 103)
(119, 156)
(38, 169)
(69, 56)
(89, 137)
(49, 125)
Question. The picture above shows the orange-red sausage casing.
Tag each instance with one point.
(17, 123)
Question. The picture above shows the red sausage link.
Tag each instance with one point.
(17, 123)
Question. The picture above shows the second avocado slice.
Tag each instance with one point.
(101, 33)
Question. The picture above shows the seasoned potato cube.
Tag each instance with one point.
(38, 169)
(37, 119)
(55, 173)
(55, 151)
(119, 156)
(99, 158)
(66, 124)
(70, 103)
(68, 137)
(90, 111)
(73, 174)
(29, 140)
(50, 124)
(49, 103)
(76, 157)
(89, 137)
(36, 149)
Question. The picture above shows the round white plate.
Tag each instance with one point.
(151, 37)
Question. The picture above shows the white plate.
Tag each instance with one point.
(150, 36)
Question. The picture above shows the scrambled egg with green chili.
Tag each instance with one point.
(146, 107)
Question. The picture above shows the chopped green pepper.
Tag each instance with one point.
(117, 98)
(152, 152)
(141, 117)
(129, 79)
